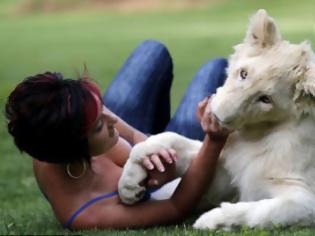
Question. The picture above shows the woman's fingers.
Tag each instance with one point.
(168, 155)
(152, 162)
(201, 108)
(155, 159)
(204, 106)
(173, 154)
(147, 163)
(158, 160)
(153, 183)
(211, 126)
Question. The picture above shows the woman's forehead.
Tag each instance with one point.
(99, 104)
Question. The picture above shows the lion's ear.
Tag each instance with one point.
(305, 91)
(262, 31)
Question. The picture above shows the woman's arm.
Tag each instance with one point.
(193, 184)
(187, 195)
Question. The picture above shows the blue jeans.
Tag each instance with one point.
(140, 92)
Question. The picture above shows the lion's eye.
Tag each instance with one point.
(243, 74)
(264, 99)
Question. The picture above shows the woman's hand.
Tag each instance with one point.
(209, 123)
(161, 167)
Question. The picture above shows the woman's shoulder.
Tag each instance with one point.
(51, 187)
(66, 195)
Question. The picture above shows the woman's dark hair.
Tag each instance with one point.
(49, 116)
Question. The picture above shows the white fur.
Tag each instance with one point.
(270, 156)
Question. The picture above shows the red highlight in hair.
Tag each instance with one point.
(92, 105)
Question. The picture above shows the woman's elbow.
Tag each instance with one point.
(179, 211)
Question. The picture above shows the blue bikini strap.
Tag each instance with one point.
(86, 205)
(146, 197)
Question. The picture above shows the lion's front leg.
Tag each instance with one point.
(129, 188)
(134, 173)
(129, 185)
(293, 207)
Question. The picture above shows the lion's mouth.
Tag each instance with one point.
(226, 124)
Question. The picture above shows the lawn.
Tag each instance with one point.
(63, 41)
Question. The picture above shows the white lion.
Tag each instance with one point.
(269, 100)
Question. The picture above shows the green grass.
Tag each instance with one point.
(64, 41)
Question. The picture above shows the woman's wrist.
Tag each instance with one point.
(216, 139)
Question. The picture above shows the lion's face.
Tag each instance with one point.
(264, 75)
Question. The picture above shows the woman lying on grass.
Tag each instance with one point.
(79, 145)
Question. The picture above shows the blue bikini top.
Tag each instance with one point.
(146, 197)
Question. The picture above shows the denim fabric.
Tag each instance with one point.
(210, 76)
(140, 92)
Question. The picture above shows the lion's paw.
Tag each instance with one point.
(131, 193)
(210, 220)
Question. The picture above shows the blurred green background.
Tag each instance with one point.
(61, 35)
